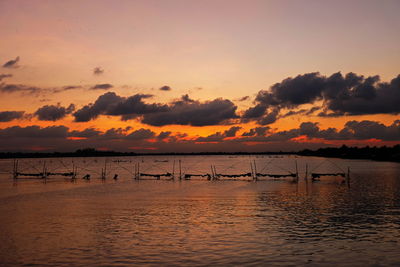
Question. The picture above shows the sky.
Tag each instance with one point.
(191, 76)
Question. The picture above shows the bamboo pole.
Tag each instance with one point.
(348, 176)
(180, 170)
(138, 171)
(44, 170)
(135, 171)
(255, 171)
(306, 176)
(252, 172)
(173, 170)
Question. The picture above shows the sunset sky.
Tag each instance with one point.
(190, 76)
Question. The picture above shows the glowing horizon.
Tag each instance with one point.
(205, 72)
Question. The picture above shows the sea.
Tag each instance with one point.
(215, 218)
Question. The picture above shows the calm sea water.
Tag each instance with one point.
(58, 222)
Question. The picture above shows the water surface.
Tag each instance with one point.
(58, 222)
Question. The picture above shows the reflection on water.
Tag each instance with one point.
(199, 222)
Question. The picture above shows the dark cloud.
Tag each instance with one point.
(258, 131)
(13, 63)
(140, 134)
(53, 112)
(32, 90)
(231, 132)
(60, 138)
(6, 116)
(100, 106)
(20, 88)
(164, 135)
(112, 104)
(86, 133)
(218, 136)
(269, 118)
(165, 88)
(3, 76)
(34, 132)
(66, 88)
(186, 111)
(357, 95)
(299, 112)
(102, 86)
(350, 94)
(353, 130)
(244, 98)
(255, 112)
(98, 71)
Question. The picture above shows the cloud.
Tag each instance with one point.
(3, 76)
(13, 63)
(186, 111)
(19, 88)
(98, 71)
(102, 86)
(53, 112)
(6, 116)
(164, 135)
(34, 131)
(353, 130)
(140, 134)
(86, 133)
(66, 88)
(340, 95)
(258, 131)
(218, 136)
(165, 88)
(244, 98)
(112, 104)
(231, 132)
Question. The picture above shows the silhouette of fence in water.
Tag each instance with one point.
(53, 168)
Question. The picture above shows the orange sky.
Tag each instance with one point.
(206, 49)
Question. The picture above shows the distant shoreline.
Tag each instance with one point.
(384, 153)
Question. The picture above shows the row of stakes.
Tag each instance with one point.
(137, 175)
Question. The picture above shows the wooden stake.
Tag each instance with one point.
(44, 170)
(173, 170)
(252, 171)
(255, 171)
(180, 170)
(348, 176)
(138, 170)
(306, 176)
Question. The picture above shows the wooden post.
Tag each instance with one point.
(348, 176)
(255, 171)
(306, 176)
(252, 172)
(104, 172)
(180, 170)
(212, 173)
(138, 171)
(173, 170)
(135, 172)
(215, 172)
(73, 171)
(15, 169)
(297, 171)
(44, 171)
